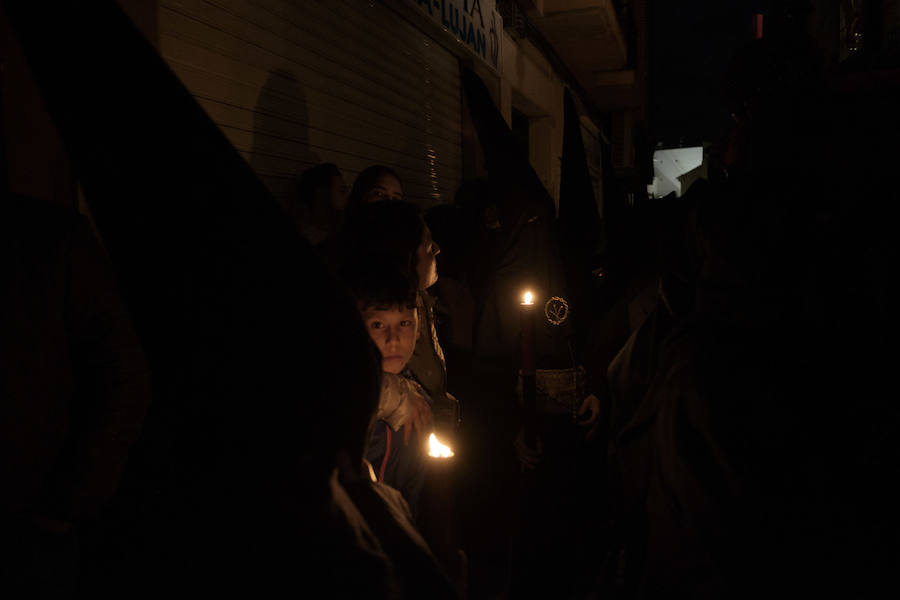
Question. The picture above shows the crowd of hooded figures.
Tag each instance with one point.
(204, 391)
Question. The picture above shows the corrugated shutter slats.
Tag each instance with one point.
(292, 84)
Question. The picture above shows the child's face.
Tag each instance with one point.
(394, 332)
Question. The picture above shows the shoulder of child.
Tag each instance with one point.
(394, 401)
(414, 388)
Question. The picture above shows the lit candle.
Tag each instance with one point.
(439, 520)
(527, 371)
(438, 450)
(527, 311)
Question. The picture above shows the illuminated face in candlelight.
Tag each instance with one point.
(426, 260)
(437, 449)
(394, 332)
(528, 298)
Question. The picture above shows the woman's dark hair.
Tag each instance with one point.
(388, 231)
(450, 233)
(473, 197)
(365, 181)
(375, 283)
(314, 178)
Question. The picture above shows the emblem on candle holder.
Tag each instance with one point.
(556, 310)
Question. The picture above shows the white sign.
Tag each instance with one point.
(474, 23)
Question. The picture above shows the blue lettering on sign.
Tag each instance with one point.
(476, 5)
(454, 19)
(467, 32)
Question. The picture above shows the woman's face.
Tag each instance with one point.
(426, 266)
(386, 187)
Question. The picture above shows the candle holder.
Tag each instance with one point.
(528, 369)
(439, 520)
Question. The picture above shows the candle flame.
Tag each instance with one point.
(437, 449)
(528, 298)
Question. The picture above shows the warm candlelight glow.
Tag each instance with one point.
(528, 298)
(437, 449)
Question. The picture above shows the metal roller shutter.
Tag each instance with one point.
(296, 83)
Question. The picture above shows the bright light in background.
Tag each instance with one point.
(528, 298)
(674, 169)
(437, 449)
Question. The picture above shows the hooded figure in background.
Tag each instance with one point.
(524, 254)
(579, 223)
(774, 442)
(249, 475)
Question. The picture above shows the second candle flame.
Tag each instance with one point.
(528, 298)
(437, 449)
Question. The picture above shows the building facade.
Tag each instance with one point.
(293, 83)
(362, 82)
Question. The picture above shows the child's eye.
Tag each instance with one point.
(406, 323)
(376, 325)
